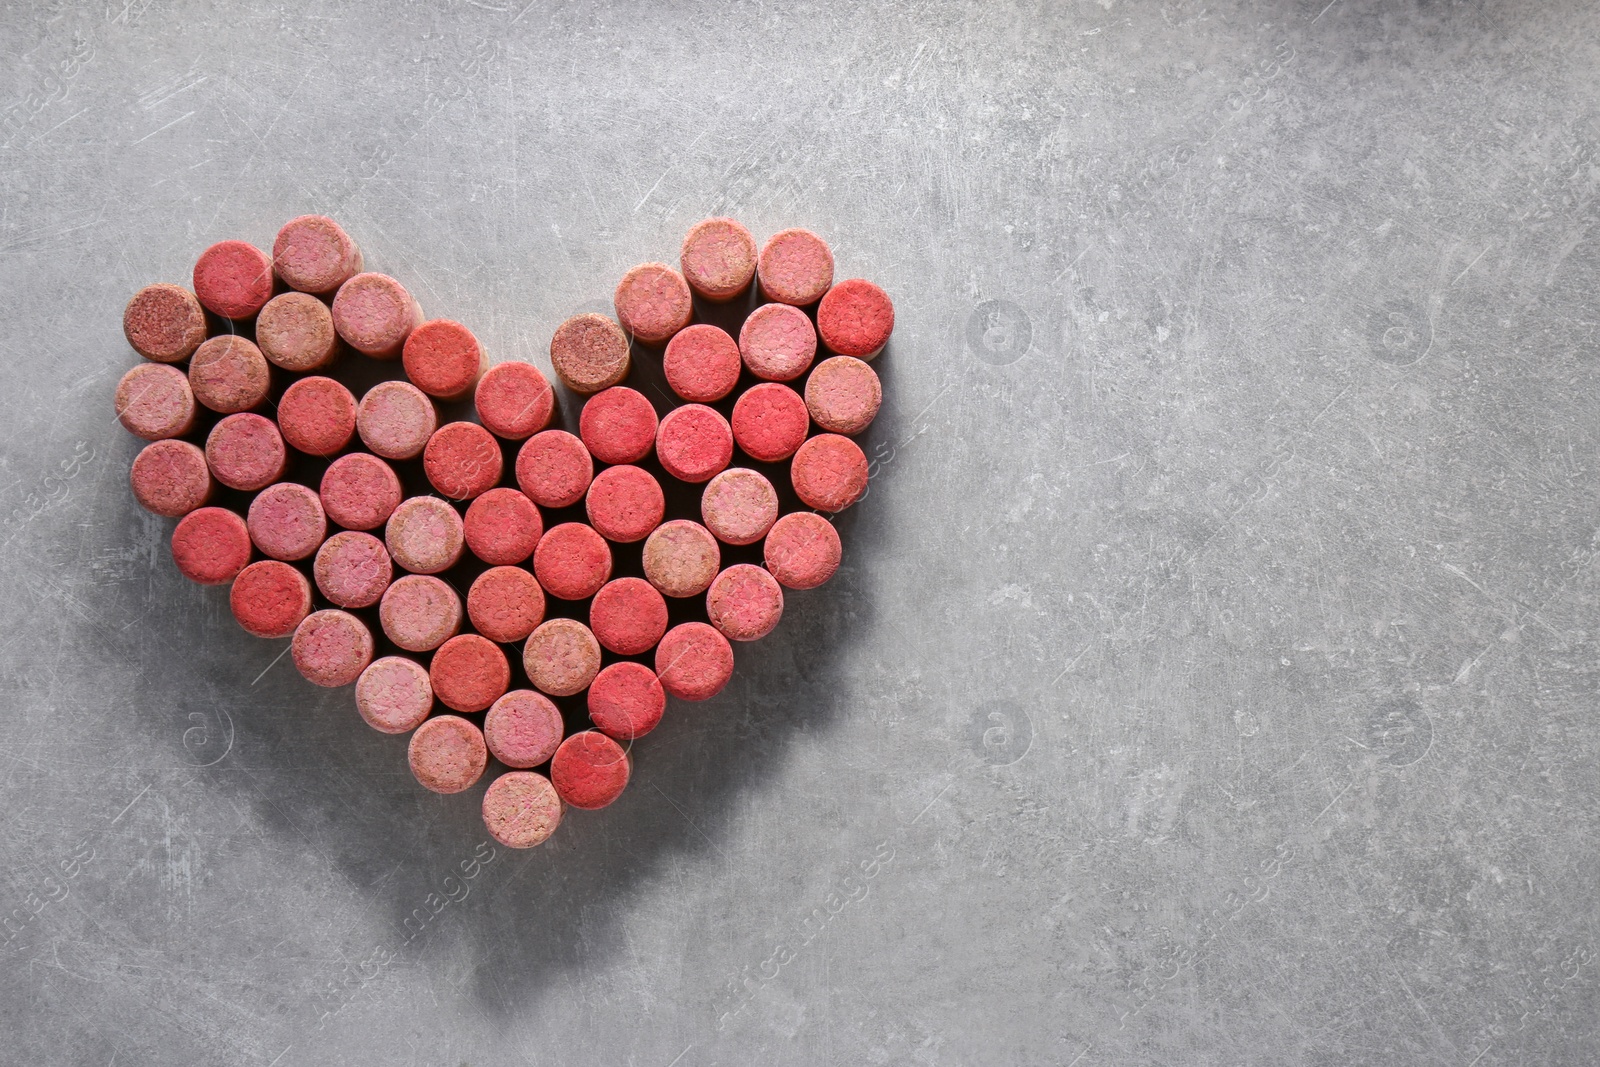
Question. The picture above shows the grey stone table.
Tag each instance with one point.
(1213, 675)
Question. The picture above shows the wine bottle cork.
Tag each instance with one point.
(360, 491)
(514, 400)
(164, 323)
(462, 460)
(170, 478)
(744, 603)
(653, 302)
(802, 550)
(505, 604)
(154, 401)
(270, 599)
(681, 558)
(245, 451)
(694, 661)
(855, 318)
(444, 359)
(295, 331)
(313, 254)
(618, 425)
(770, 421)
(628, 616)
(331, 648)
(626, 700)
(561, 657)
(374, 314)
(693, 443)
(317, 416)
(211, 546)
(625, 503)
(228, 373)
(572, 561)
(554, 469)
(521, 809)
(396, 419)
(843, 395)
(523, 729)
(469, 673)
(718, 259)
(829, 472)
(419, 612)
(795, 267)
(590, 770)
(352, 569)
(739, 506)
(447, 754)
(393, 695)
(286, 521)
(502, 527)
(425, 535)
(233, 279)
(702, 363)
(777, 342)
(589, 353)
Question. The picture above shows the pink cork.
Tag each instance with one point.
(317, 416)
(681, 558)
(233, 279)
(829, 472)
(171, 478)
(229, 374)
(561, 657)
(270, 599)
(469, 672)
(295, 332)
(702, 363)
(777, 342)
(447, 754)
(694, 442)
(502, 527)
(359, 491)
(246, 452)
(770, 422)
(590, 770)
(394, 695)
(462, 460)
(331, 648)
(395, 420)
(802, 550)
(628, 616)
(739, 506)
(374, 314)
(843, 395)
(795, 267)
(855, 318)
(718, 259)
(572, 561)
(444, 359)
(314, 255)
(211, 546)
(286, 521)
(523, 729)
(425, 535)
(745, 602)
(589, 353)
(154, 401)
(554, 469)
(694, 661)
(626, 701)
(521, 809)
(419, 612)
(352, 569)
(625, 503)
(164, 323)
(505, 604)
(514, 400)
(618, 425)
(653, 302)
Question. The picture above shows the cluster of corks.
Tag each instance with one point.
(294, 493)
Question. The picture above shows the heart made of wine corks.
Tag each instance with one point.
(425, 561)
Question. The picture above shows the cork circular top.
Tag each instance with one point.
(419, 612)
(229, 374)
(554, 469)
(469, 672)
(317, 416)
(393, 694)
(270, 599)
(589, 353)
(855, 318)
(360, 491)
(521, 809)
(514, 400)
(233, 279)
(745, 602)
(211, 546)
(425, 535)
(295, 332)
(462, 460)
(694, 442)
(795, 267)
(171, 478)
(625, 503)
(561, 657)
(628, 616)
(447, 754)
(770, 422)
(694, 661)
(777, 342)
(589, 770)
(618, 425)
(572, 561)
(829, 472)
(375, 314)
(702, 363)
(286, 521)
(331, 648)
(626, 700)
(843, 395)
(352, 569)
(154, 401)
(653, 302)
(739, 506)
(681, 558)
(718, 258)
(395, 420)
(523, 728)
(443, 359)
(802, 550)
(502, 527)
(505, 604)
(313, 254)
(164, 323)
(245, 451)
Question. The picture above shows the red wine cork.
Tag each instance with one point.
(625, 504)
(829, 472)
(317, 415)
(694, 442)
(505, 604)
(374, 314)
(523, 729)
(795, 267)
(554, 469)
(395, 420)
(628, 616)
(447, 754)
(718, 259)
(626, 700)
(843, 395)
(444, 359)
(154, 402)
(233, 279)
(561, 657)
(653, 302)
(739, 506)
(514, 400)
(286, 521)
(521, 809)
(211, 546)
(228, 374)
(314, 255)
(295, 332)
(425, 535)
(589, 353)
(419, 612)
(331, 648)
(702, 363)
(502, 527)
(360, 492)
(270, 599)
(462, 460)
(745, 602)
(352, 569)
(855, 318)
(469, 672)
(589, 770)
(770, 422)
(572, 562)
(394, 695)
(618, 425)
(171, 478)
(164, 323)
(777, 342)
(246, 452)
(681, 558)
(802, 550)
(694, 661)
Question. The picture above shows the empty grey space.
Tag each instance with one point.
(1212, 675)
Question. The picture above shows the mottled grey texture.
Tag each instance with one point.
(1212, 675)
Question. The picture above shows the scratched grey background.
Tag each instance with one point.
(1213, 675)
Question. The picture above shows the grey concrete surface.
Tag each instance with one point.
(1212, 678)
